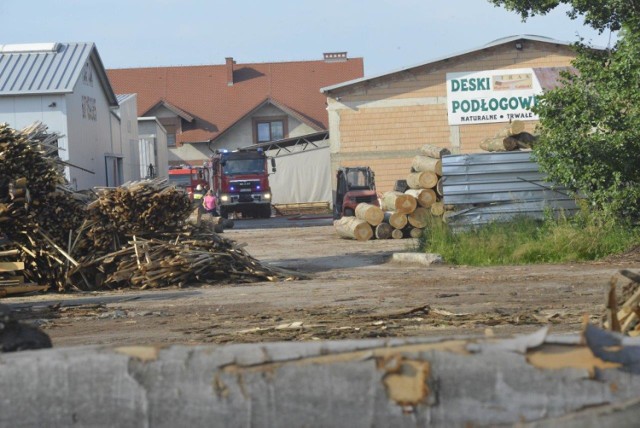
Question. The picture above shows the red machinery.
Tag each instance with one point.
(187, 177)
(354, 185)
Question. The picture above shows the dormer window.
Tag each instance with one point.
(270, 129)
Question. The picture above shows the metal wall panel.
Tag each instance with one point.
(488, 187)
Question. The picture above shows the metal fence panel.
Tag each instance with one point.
(486, 187)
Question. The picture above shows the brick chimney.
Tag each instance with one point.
(335, 56)
(229, 62)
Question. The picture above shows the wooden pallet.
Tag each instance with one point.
(12, 283)
(303, 208)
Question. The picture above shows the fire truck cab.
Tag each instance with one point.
(187, 178)
(240, 180)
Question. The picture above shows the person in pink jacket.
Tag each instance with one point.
(210, 204)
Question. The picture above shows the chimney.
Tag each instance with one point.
(229, 62)
(335, 56)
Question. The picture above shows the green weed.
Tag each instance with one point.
(525, 241)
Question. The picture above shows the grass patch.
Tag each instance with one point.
(526, 241)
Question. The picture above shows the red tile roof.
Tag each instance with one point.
(202, 91)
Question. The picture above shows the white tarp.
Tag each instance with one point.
(301, 176)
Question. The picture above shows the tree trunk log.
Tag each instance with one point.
(419, 217)
(525, 140)
(434, 151)
(397, 234)
(354, 228)
(425, 197)
(497, 144)
(369, 213)
(395, 219)
(513, 128)
(383, 231)
(400, 202)
(439, 186)
(425, 163)
(437, 209)
(510, 143)
(422, 180)
(412, 232)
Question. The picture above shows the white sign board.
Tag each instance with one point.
(492, 96)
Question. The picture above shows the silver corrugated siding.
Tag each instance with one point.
(486, 187)
(43, 72)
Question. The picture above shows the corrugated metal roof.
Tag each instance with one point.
(487, 187)
(47, 68)
(123, 97)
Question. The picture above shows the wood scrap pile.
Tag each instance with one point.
(405, 211)
(511, 138)
(11, 278)
(136, 235)
(623, 306)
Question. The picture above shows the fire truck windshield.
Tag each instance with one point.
(180, 180)
(243, 166)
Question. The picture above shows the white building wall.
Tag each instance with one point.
(162, 152)
(89, 134)
(129, 138)
(22, 111)
(189, 153)
(240, 135)
(153, 147)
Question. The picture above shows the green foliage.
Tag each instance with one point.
(601, 15)
(590, 129)
(590, 126)
(528, 241)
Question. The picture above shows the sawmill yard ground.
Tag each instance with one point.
(353, 291)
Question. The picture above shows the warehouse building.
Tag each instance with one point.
(453, 102)
(65, 86)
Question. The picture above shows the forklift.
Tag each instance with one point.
(354, 186)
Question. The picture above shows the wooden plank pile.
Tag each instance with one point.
(136, 235)
(405, 211)
(511, 138)
(623, 305)
(11, 278)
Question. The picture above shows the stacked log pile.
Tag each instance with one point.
(511, 138)
(405, 211)
(136, 235)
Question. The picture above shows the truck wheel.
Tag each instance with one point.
(266, 211)
(224, 213)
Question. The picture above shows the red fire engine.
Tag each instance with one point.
(240, 180)
(187, 177)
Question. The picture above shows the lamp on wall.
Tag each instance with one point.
(519, 46)
(53, 104)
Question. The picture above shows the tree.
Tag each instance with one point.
(590, 125)
(599, 14)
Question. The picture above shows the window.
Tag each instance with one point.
(171, 140)
(270, 129)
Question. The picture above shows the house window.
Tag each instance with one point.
(270, 129)
(171, 140)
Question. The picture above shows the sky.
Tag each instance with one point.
(388, 34)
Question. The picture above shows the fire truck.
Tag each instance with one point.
(240, 180)
(188, 177)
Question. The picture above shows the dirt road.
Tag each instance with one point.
(352, 292)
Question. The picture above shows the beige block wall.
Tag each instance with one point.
(387, 170)
(383, 122)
